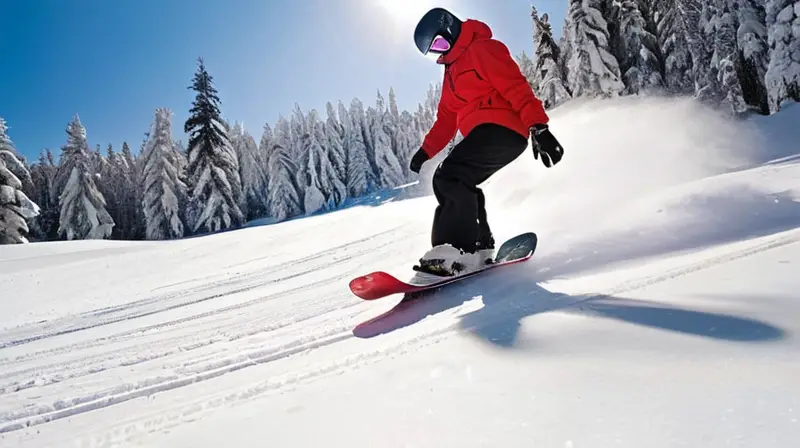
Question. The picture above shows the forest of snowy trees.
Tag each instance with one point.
(741, 56)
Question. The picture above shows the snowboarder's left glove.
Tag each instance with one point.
(419, 158)
(544, 142)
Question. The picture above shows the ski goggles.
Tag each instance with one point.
(439, 45)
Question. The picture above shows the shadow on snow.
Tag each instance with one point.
(509, 297)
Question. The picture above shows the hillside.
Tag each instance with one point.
(659, 310)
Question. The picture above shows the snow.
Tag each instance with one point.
(659, 310)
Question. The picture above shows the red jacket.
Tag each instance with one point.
(482, 84)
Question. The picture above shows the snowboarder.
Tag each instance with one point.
(486, 97)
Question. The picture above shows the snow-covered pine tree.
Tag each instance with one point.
(345, 128)
(699, 15)
(284, 201)
(399, 130)
(356, 164)
(431, 105)
(323, 189)
(45, 226)
(547, 71)
(334, 142)
(593, 69)
(783, 73)
(333, 188)
(130, 196)
(361, 173)
(693, 14)
(638, 60)
(109, 183)
(228, 129)
(387, 167)
(648, 9)
(83, 208)
(566, 51)
(297, 122)
(15, 206)
(406, 142)
(753, 52)
(214, 183)
(528, 68)
(419, 121)
(182, 164)
(264, 147)
(164, 194)
(720, 32)
(251, 171)
(672, 38)
(235, 135)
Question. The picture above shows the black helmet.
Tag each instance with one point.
(436, 22)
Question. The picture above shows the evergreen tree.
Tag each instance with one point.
(753, 57)
(264, 148)
(251, 171)
(566, 51)
(45, 226)
(360, 173)
(637, 58)
(323, 189)
(408, 142)
(387, 167)
(547, 73)
(593, 69)
(398, 133)
(334, 140)
(284, 201)
(83, 208)
(720, 32)
(672, 38)
(130, 195)
(164, 194)
(15, 206)
(528, 69)
(783, 72)
(214, 183)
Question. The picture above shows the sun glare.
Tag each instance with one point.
(404, 15)
(399, 17)
(406, 12)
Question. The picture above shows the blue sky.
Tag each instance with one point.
(115, 62)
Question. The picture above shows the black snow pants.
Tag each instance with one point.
(460, 217)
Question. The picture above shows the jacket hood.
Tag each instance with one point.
(471, 30)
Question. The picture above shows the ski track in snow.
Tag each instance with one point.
(175, 336)
(194, 370)
(168, 302)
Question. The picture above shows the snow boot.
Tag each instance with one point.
(445, 261)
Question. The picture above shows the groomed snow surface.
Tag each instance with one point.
(661, 309)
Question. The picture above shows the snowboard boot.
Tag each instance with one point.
(486, 251)
(445, 261)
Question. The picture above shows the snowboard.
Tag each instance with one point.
(380, 284)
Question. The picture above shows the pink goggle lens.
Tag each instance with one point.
(440, 44)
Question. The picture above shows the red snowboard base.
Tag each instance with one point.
(380, 284)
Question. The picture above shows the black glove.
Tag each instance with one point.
(419, 158)
(544, 142)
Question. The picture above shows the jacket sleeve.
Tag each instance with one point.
(443, 129)
(494, 63)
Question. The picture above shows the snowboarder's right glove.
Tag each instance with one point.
(419, 158)
(544, 142)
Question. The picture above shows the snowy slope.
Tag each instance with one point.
(660, 310)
